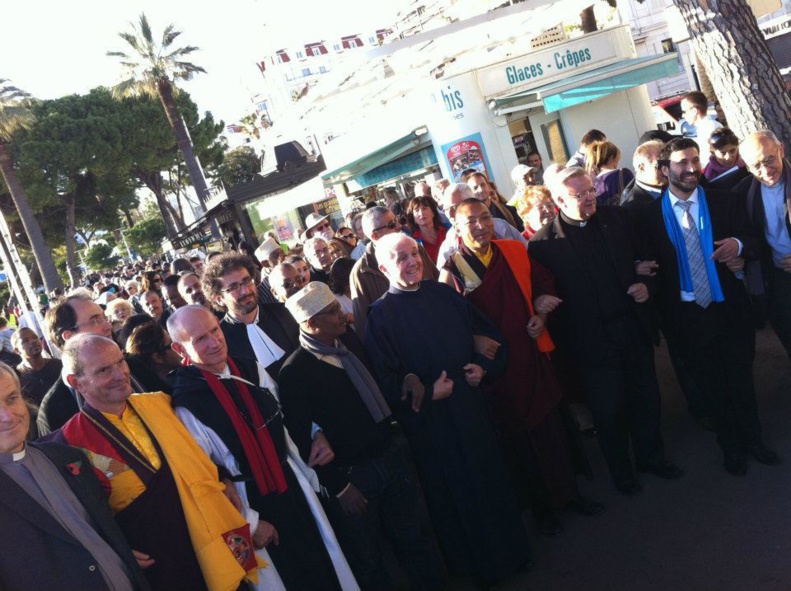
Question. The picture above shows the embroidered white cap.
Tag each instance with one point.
(309, 301)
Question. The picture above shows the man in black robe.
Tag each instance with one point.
(229, 407)
(323, 382)
(420, 343)
(602, 322)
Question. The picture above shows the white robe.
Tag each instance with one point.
(215, 448)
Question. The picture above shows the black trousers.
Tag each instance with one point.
(779, 306)
(623, 395)
(718, 348)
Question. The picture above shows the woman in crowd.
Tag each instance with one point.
(725, 168)
(536, 209)
(601, 162)
(117, 312)
(150, 357)
(423, 218)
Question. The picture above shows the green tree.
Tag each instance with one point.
(146, 236)
(152, 155)
(71, 160)
(15, 115)
(100, 256)
(241, 165)
(152, 68)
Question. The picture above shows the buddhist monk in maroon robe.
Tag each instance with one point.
(498, 277)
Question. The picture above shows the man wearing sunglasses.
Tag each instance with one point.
(73, 315)
(367, 282)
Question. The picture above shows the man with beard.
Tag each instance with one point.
(256, 330)
(73, 315)
(603, 324)
(701, 239)
(191, 290)
(501, 281)
(230, 407)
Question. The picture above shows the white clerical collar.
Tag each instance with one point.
(6, 458)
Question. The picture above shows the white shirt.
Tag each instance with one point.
(694, 210)
(774, 199)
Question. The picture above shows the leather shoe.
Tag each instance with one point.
(764, 455)
(663, 469)
(629, 487)
(548, 524)
(735, 463)
(587, 507)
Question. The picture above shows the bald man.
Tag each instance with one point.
(768, 197)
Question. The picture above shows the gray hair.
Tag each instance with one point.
(759, 137)
(372, 219)
(644, 152)
(72, 359)
(558, 180)
(309, 248)
(9, 371)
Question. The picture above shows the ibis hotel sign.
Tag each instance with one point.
(541, 67)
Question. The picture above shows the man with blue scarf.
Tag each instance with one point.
(701, 239)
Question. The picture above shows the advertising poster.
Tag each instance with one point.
(283, 227)
(464, 153)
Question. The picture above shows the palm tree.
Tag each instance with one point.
(15, 115)
(152, 69)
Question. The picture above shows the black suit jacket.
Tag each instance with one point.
(573, 324)
(57, 407)
(748, 191)
(728, 220)
(30, 533)
(278, 324)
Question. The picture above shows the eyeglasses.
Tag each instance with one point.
(347, 236)
(584, 194)
(765, 163)
(391, 225)
(236, 287)
(95, 321)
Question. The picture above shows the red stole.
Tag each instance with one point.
(256, 440)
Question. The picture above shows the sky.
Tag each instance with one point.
(52, 48)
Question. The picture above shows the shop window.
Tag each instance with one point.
(555, 141)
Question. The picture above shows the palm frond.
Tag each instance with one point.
(145, 29)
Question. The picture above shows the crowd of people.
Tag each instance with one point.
(421, 375)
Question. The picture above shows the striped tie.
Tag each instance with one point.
(697, 265)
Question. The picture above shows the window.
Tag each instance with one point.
(300, 54)
(336, 47)
(306, 71)
(668, 46)
(322, 70)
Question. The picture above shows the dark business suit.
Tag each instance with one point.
(763, 276)
(29, 532)
(635, 199)
(716, 343)
(611, 350)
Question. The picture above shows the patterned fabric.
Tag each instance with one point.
(697, 264)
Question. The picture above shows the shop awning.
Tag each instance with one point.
(378, 157)
(590, 85)
(304, 194)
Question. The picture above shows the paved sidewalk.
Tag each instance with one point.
(708, 531)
